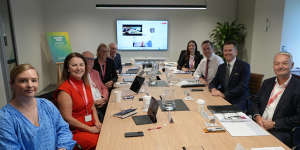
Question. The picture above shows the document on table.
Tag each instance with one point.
(268, 148)
(247, 127)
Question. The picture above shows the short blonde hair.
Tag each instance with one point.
(19, 69)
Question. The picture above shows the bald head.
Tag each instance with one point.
(113, 49)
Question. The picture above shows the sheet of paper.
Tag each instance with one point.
(244, 128)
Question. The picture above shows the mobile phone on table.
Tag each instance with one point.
(134, 134)
(195, 90)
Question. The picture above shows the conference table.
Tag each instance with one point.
(185, 133)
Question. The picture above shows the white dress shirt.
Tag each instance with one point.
(214, 62)
(270, 109)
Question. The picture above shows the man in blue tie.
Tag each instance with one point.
(232, 77)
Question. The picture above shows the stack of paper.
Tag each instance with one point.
(233, 117)
(239, 124)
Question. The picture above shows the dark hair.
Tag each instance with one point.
(209, 42)
(187, 49)
(66, 73)
(234, 43)
(99, 48)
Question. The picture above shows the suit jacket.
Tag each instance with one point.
(237, 91)
(287, 112)
(110, 73)
(182, 62)
(118, 62)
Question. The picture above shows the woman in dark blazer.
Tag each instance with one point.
(190, 58)
(107, 71)
(105, 66)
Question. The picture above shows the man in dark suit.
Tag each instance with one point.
(277, 104)
(232, 77)
(115, 56)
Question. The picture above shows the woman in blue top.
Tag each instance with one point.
(29, 123)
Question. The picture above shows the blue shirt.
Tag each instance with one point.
(18, 133)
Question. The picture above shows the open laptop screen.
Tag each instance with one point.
(137, 84)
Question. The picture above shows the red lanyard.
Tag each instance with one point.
(103, 70)
(271, 100)
(85, 98)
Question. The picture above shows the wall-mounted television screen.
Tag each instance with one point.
(142, 34)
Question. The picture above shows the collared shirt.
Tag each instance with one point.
(270, 109)
(213, 64)
(231, 65)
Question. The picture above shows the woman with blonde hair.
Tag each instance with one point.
(27, 122)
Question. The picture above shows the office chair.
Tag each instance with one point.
(254, 85)
(296, 138)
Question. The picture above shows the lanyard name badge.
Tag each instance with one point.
(274, 96)
(87, 117)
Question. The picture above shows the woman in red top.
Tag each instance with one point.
(76, 103)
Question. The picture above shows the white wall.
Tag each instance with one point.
(265, 44)
(28, 18)
(291, 30)
(88, 27)
(245, 15)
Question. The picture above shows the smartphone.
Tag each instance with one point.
(128, 97)
(195, 90)
(134, 134)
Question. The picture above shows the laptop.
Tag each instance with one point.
(135, 86)
(132, 71)
(151, 114)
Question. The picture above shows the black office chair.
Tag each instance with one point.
(296, 138)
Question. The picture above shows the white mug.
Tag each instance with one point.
(118, 95)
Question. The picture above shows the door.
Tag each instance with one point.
(7, 50)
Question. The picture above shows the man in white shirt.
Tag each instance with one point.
(208, 66)
(277, 104)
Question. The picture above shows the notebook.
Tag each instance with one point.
(125, 113)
